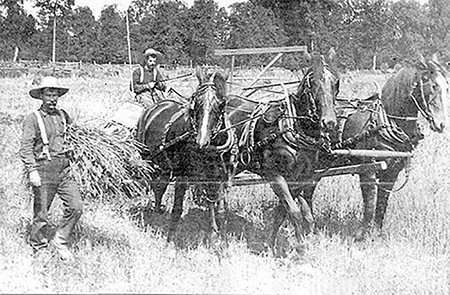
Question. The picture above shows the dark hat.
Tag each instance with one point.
(48, 82)
(151, 51)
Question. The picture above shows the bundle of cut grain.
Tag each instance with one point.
(106, 165)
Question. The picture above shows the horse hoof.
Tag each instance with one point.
(171, 239)
(360, 235)
(377, 233)
(221, 250)
(301, 250)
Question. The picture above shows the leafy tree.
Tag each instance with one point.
(375, 29)
(81, 35)
(316, 24)
(16, 28)
(409, 32)
(140, 9)
(49, 9)
(111, 37)
(206, 30)
(166, 30)
(253, 26)
(359, 29)
(291, 14)
(438, 30)
(53, 15)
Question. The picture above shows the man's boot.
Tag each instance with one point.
(61, 240)
(60, 244)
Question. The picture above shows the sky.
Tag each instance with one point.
(122, 5)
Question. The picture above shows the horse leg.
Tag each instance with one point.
(308, 193)
(280, 214)
(303, 193)
(180, 189)
(158, 187)
(296, 215)
(385, 186)
(309, 188)
(369, 192)
(218, 215)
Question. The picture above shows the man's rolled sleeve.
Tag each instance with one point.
(29, 136)
(137, 86)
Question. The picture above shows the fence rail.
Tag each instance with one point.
(59, 69)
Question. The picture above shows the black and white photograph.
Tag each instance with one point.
(225, 147)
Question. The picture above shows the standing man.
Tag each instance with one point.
(47, 165)
(148, 81)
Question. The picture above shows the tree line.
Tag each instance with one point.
(363, 32)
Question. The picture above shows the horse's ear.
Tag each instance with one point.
(307, 56)
(199, 73)
(378, 88)
(226, 74)
(331, 55)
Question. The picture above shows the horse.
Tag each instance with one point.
(174, 134)
(387, 123)
(279, 140)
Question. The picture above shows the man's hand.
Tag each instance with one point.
(35, 179)
(151, 85)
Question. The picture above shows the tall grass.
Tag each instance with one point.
(119, 248)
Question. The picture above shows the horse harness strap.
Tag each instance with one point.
(424, 114)
(45, 149)
(402, 118)
(407, 174)
(169, 124)
(247, 136)
(416, 103)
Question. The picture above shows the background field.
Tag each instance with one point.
(120, 249)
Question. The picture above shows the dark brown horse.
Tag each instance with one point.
(388, 124)
(174, 135)
(280, 140)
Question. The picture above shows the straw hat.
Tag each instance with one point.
(151, 51)
(47, 82)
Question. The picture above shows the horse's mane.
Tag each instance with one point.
(398, 87)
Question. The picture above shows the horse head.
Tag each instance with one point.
(431, 93)
(207, 106)
(316, 94)
(422, 88)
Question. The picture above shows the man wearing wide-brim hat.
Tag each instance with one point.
(148, 81)
(47, 165)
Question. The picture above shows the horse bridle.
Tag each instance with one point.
(312, 112)
(421, 110)
(201, 89)
(307, 92)
(424, 112)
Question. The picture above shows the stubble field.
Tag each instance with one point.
(119, 249)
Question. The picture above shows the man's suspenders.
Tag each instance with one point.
(45, 148)
(141, 78)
